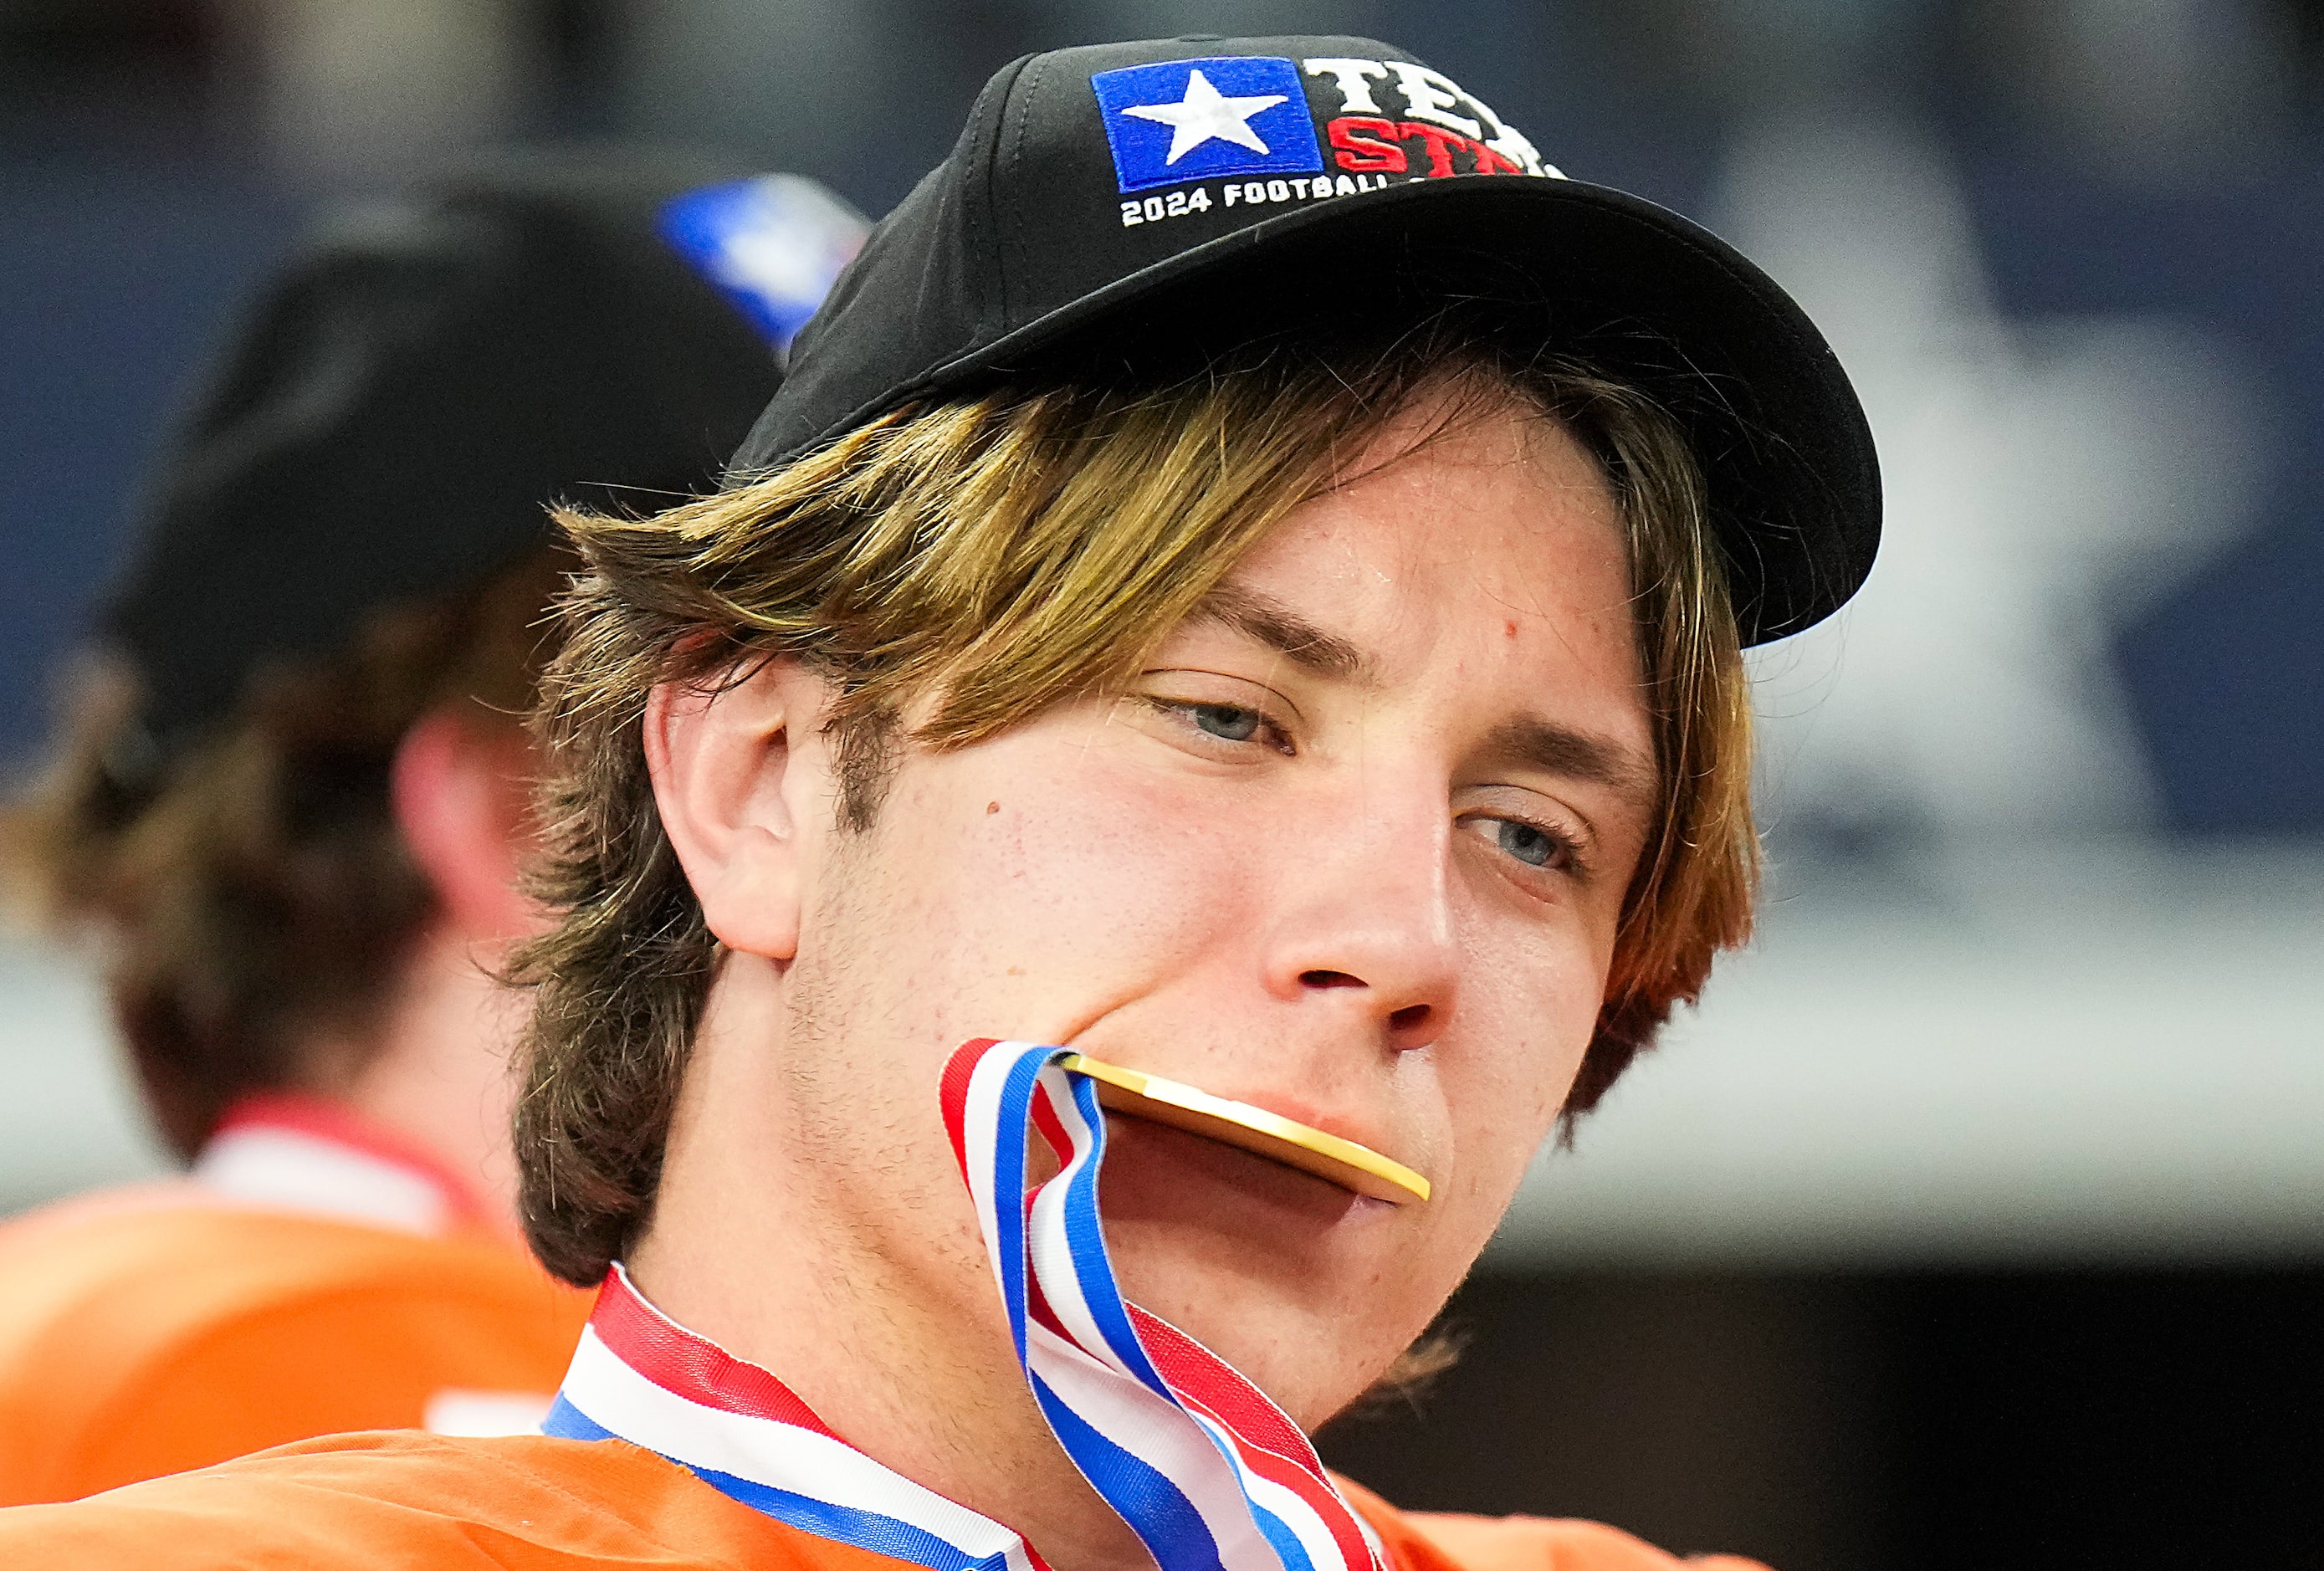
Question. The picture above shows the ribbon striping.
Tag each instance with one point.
(1261, 1491)
(1209, 1475)
(644, 1379)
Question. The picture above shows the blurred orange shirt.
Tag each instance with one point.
(537, 1503)
(308, 1276)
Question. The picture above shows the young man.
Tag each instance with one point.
(293, 799)
(1244, 584)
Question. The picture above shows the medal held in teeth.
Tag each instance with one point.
(1344, 1162)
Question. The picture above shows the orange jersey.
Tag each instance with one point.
(537, 1503)
(306, 1281)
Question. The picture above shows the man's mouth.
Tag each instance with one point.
(1355, 1167)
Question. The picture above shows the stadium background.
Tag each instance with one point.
(1978, 1217)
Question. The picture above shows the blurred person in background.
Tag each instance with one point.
(1246, 579)
(290, 801)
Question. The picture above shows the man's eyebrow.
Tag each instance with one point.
(1562, 750)
(1274, 624)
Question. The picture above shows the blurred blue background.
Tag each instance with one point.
(1979, 1215)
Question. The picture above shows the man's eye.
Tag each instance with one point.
(1535, 846)
(1227, 721)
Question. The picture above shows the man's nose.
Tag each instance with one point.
(1363, 913)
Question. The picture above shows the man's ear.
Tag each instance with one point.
(457, 788)
(738, 770)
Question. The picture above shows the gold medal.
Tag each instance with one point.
(1252, 1129)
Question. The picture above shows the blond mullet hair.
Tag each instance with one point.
(977, 561)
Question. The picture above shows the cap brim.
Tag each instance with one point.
(1636, 289)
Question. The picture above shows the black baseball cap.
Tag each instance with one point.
(1122, 204)
(423, 375)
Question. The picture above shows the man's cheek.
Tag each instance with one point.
(1510, 1063)
(1139, 875)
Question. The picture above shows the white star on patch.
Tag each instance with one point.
(1206, 115)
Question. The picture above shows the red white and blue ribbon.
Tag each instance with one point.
(642, 1377)
(1210, 1474)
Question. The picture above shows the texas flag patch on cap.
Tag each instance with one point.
(1185, 120)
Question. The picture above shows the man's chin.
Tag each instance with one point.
(1275, 1271)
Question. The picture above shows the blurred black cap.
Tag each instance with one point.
(1132, 204)
(422, 377)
